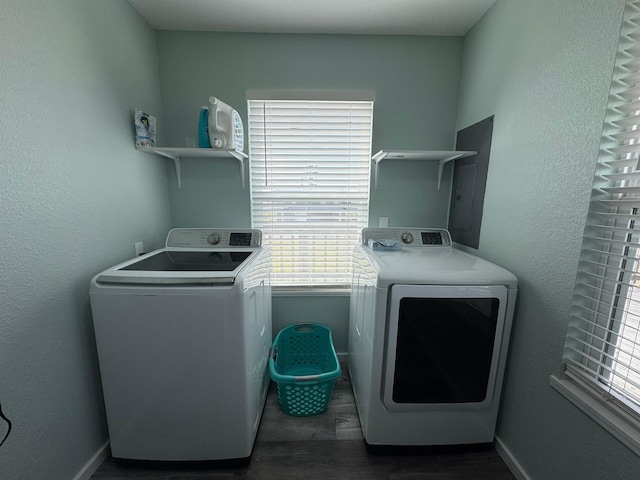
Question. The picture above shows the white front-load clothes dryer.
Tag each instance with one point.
(428, 337)
(183, 337)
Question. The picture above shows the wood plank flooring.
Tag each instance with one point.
(323, 447)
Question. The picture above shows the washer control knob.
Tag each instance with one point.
(407, 237)
(214, 238)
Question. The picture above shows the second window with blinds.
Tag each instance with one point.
(310, 175)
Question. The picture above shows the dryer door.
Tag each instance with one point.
(443, 346)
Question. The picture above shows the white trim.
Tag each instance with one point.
(285, 291)
(600, 351)
(94, 463)
(607, 414)
(310, 179)
(317, 95)
(510, 460)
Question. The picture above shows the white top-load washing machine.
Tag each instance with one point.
(428, 337)
(183, 337)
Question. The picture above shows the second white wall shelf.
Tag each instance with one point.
(441, 156)
(177, 154)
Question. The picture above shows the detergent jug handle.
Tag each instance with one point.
(214, 105)
(214, 124)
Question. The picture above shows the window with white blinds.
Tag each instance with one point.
(603, 339)
(310, 164)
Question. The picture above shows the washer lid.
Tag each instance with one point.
(189, 261)
(169, 266)
(212, 256)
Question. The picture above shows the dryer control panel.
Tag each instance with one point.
(409, 237)
(214, 238)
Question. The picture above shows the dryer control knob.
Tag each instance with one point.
(407, 237)
(214, 238)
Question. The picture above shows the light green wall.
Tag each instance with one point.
(414, 79)
(74, 195)
(415, 82)
(543, 69)
(332, 311)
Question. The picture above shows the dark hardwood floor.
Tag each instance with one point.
(324, 447)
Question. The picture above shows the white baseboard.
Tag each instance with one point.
(94, 463)
(510, 460)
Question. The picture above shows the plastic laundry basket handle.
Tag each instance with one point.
(305, 327)
(306, 378)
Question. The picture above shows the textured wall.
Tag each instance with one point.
(414, 79)
(543, 68)
(415, 82)
(74, 197)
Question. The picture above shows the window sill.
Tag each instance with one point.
(610, 416)
(333, 291)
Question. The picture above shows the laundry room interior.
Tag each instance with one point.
(77, 195)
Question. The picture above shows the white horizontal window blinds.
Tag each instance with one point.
(310, 169)
(603, 343)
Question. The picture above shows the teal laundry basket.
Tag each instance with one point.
(304, 365)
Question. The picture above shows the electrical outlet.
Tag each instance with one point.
(383, 222)
(138, 247)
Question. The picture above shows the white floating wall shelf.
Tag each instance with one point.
(177, 154)
(442, 157)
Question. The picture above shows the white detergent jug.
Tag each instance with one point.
(226, 131)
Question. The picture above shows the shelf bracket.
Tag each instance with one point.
(240, 157)
(442, 157)
(176, 163)
(443, 162)
(177, 153)
(377, 158)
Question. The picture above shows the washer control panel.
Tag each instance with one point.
(409, 237)
(214, 238)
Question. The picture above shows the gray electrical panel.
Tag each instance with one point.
(469, 183)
